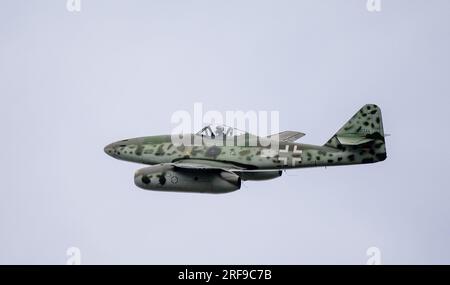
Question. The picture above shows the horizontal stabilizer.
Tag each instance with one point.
(288, 136)
(345, 140)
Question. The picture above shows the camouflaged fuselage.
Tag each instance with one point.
(160, 149)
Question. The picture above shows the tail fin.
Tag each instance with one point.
(363, 131)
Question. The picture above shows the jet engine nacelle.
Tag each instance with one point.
(169, 178)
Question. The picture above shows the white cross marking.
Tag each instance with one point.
(286, 149)
(283, 159)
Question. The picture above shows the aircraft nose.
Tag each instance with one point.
(109, 149)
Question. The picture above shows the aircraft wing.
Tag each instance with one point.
(210, 165)
(206, 165)
(288, 136)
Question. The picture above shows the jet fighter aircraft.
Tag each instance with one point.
(224, 156)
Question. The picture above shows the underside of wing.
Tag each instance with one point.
(199, 164)
(288, 136)
(209, 166)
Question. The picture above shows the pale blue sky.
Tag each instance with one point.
(72, 82)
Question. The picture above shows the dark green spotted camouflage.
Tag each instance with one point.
(366, 124)
(217, 164)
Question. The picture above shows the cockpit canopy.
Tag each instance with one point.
(213, 131)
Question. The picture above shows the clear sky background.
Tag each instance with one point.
(70, 83)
